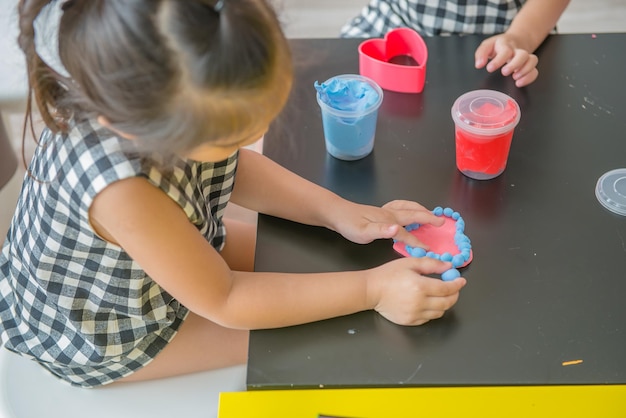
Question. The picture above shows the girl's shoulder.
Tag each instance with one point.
(88, 156)
(71, 168)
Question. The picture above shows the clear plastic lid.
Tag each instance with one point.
(486, 112)
(611, 191)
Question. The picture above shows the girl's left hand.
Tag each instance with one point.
(363, 224)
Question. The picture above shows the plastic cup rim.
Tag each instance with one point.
(482, 131)
(352, 113)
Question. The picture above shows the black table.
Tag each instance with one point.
(548, 281)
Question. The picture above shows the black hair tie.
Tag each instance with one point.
(218, 6)
(69, 3)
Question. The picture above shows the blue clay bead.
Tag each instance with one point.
(448, 212)
(412, 227)
(457, 260)
(432, 255)
(438, 211)
(450, 275)
(417, 252)
(456, 216)
(446, 257)
(466, 254)
(461, 243)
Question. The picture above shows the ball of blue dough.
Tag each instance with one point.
(450, 275)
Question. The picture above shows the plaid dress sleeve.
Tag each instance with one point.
(73, 302)
(433, 17)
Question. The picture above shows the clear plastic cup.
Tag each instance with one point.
(484, 124)
(349, 105)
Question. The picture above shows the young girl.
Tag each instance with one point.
(118, 265)
(518, 26)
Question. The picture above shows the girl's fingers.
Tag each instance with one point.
(527, 79)
(408, 217)
(409, 239)
(404, 204)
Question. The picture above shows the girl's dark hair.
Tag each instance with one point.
(172, 73)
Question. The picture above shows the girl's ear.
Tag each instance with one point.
(105, 122)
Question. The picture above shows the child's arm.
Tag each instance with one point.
(158, 236)
(513, 50)
(266, 187)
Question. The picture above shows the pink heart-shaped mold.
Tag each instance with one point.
(375, 56)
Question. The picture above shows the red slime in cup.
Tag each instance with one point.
(481, 154)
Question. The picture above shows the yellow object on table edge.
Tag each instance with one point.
(482, 401)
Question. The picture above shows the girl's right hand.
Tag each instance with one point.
(505, 51)
(401, 293)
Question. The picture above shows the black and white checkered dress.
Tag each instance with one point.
(73, 302)
(433, 17)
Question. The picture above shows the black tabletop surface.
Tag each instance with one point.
(548, 281)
